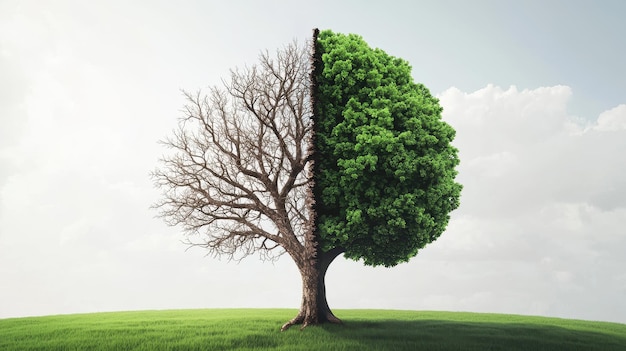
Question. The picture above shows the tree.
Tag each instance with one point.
(317, 151)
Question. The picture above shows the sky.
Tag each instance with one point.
(536, 91)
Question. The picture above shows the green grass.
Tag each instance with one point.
(258, 329)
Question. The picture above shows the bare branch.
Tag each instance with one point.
(236, 176)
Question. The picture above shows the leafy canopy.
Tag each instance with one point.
(386, 164)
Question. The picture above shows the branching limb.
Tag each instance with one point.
(236, 173)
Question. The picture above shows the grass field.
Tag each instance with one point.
(258, 329)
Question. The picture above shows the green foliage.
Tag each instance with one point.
(257, 329)
(386, 164)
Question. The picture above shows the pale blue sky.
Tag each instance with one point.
(469, 44)
(535, 90)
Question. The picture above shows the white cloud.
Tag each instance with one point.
(612, 120)
(505, 120)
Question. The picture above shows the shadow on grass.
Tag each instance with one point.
(456, 335)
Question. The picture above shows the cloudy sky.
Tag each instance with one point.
(535, 89)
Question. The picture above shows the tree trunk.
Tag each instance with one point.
(314, 308)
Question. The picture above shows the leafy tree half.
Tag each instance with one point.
(385, 164)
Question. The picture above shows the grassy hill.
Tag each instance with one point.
(258, 329)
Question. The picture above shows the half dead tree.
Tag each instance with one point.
(238, 178)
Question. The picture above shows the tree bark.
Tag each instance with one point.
(314, 308)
